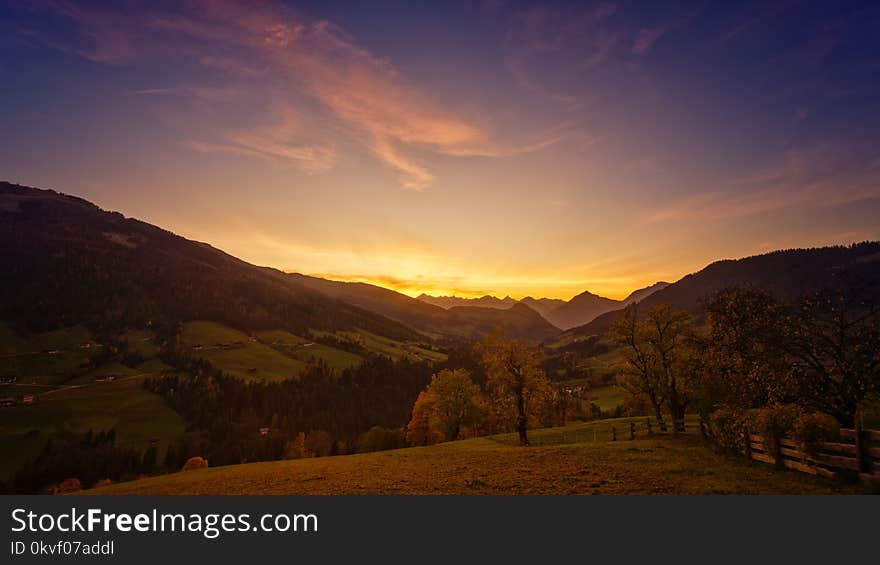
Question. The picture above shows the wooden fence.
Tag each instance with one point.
(618, 429)
(830, 459)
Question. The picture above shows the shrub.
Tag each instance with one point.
(69, 485)
(195, 463)
(318, 443)
(811, 430)
(102, 483)
(727, 426)
(295, 449)
(381, 439)
(774, 423)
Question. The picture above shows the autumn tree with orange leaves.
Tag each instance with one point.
(515, 377)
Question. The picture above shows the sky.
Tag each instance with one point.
(468, 148)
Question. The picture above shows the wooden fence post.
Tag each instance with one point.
(747, 451)
(678, 425)
(613, 433)
(648, 421)
(632, 430)
(863, 458)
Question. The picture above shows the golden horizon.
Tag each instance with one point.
(543, 289)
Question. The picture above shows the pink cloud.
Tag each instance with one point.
(265, 52)
(646, 39)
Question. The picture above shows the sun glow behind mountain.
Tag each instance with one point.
(471, 288)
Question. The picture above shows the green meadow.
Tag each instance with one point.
(234, 352)
(308, 351)
(390, 348)
(48, 358)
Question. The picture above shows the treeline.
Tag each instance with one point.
(71, 461)
(320, 413)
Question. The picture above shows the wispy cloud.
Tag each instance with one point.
(815, 176)
(646, 38)
(761, 14)
(268, 52)
(539, 32)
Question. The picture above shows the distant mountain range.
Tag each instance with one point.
(580, 310)
(518, 320)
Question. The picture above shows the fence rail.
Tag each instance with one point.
(828, 459)
(620, 429)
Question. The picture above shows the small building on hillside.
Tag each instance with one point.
(28, 399)
(8, 379)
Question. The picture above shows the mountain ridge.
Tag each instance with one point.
(433, 320)
(786, 273)
(73, 262)
(564, 314)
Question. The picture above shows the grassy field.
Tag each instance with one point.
(604, 367)
(650, 465)
(390, 348)
(138, 416)
(306, 351)
(607, 397)
(44, 358)
(247, 359)
(142, 341)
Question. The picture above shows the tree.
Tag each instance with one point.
(418, 431)
(746, 362)
(640, 378)
(834, 338)
(456, 402)
(515, 377)
(450, 403)
(660, 355)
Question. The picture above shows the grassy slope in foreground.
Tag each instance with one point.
(660, 465)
